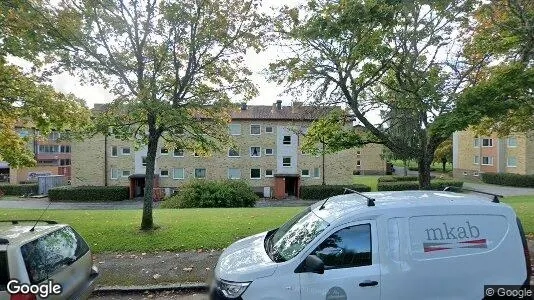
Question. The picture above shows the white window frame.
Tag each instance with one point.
(267, 154)
(174, 153)
(269, 176)
(284, 142)
(235, 178)
(358, 163)
(476, 173)
(129, 173)
(205, 173)
(465, 173)
(238, 154)
(129, 151)
(508, 162)
(259, 151)
(490, 161)
(508, 142)
(174, 173)
(284, 164)
(490, 143)
(116, 173)
(143, 164)
(476, 142)
(302, 173)
(258, 130)
(254, 178)
(161, 175)
(116, 151)
(272, 129)
(230, 129)
(358, 152)
(476, 160)
(319, 172)
(161, 153)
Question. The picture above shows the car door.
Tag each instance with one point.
(352, 271)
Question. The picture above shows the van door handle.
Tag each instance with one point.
(368, 283)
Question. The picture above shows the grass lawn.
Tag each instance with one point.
(367, 180)
(524, 207)
(8, 197)
(411, 163)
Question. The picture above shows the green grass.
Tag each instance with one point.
(413, 164)
(9, 197)
(524, 207)
(367, 180)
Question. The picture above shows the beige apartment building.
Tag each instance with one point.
(266, 154)
(474, 155)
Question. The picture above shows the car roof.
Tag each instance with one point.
(17, 234)
(341, 206)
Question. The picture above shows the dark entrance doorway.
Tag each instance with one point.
(137, 185)
(291, 186)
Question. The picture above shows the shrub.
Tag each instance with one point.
(19, 189)
(203, 193)
(508, 179)
(397, 178)
(317, 192)
(89, 193)
(414, 185)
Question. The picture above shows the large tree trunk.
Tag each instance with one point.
(147, 222)
(444, 165)
(424, 172)
(405, 163)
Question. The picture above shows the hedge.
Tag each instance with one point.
(205, 193)
(397, 178)
(19, 189)
(508, 179)
(89, 193)
(317, 192)
(414, 185)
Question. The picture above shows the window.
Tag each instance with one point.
(269, 151)
(286, 162)
(164, 173)
(64, 162)
(287, 140)
(234, 173)
(255, 151)
(305, 173)
(465, 173)
(512, 142)
(178, 173)
(195, 154)
(316, 173)
(358, 163)
(235, 129)
(178, 153)
(114, 173)
(511, 161)
(269, 129)
(487, 160)
(487, 142)
(143, 161)
(64, 149)
(114, 151)
(476, 142)
(255, 129)
(49, 149)
(52, 252)
(200, 173)
(348, 248)
(255, 173)
(233, 152)
(475, 173)
(269, 173)
(476, 159)
(358, 152)
(125, 150)
(125, 173)
(164, 151)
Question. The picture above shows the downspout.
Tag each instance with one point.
(105, 160)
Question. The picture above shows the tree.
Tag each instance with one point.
(25, 99)
(173, 65)
(332, 135)
(443, 153)
(391, 55)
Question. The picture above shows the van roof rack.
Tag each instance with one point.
(16, 222)
(370, 201)
(495, 196)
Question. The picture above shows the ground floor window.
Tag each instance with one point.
(316, 172)
(234, 173)
(255, 173)
(269, 173)
(178, 173)
(305, 173)
(200, 173)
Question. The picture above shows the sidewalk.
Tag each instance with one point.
(42, 203)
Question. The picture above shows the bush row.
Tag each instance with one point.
(325, 191)
(508, 179)
(89, 193)
(18, 189)
(397, 178)
(414, 185)
(202, 193)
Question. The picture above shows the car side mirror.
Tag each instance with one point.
(312, 264)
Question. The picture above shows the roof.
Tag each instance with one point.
(295, 112)
(342, 206)
(16, 234)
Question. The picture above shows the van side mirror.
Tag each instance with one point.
(312, 264)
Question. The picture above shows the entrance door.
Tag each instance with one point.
(139, 187)
(291, 186)
(351, 262)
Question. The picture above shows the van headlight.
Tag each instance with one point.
(232, 289)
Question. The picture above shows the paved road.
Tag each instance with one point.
(498, 189)
(41, 203)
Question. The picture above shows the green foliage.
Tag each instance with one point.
(414, 185)
(18, 189)
(203, 193)
(508, 179)
(317, 192)
(397, 178)
(89, 193)
(444, 151)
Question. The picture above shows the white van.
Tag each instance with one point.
(386, 245)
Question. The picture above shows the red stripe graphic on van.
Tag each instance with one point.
(430, 247)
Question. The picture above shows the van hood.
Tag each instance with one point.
(245, 260)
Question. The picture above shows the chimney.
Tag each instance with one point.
(243, 106)
(279, 104)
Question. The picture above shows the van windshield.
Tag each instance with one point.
(288, 240)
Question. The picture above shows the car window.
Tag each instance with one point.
(347, 248)
(49, 254)
(4, 271)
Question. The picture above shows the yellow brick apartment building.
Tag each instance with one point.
(266, 155)
(474, 155)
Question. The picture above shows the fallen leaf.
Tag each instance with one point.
(187, 269)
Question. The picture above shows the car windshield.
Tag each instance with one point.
(294, 235)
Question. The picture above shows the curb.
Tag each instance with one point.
(190, 287)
